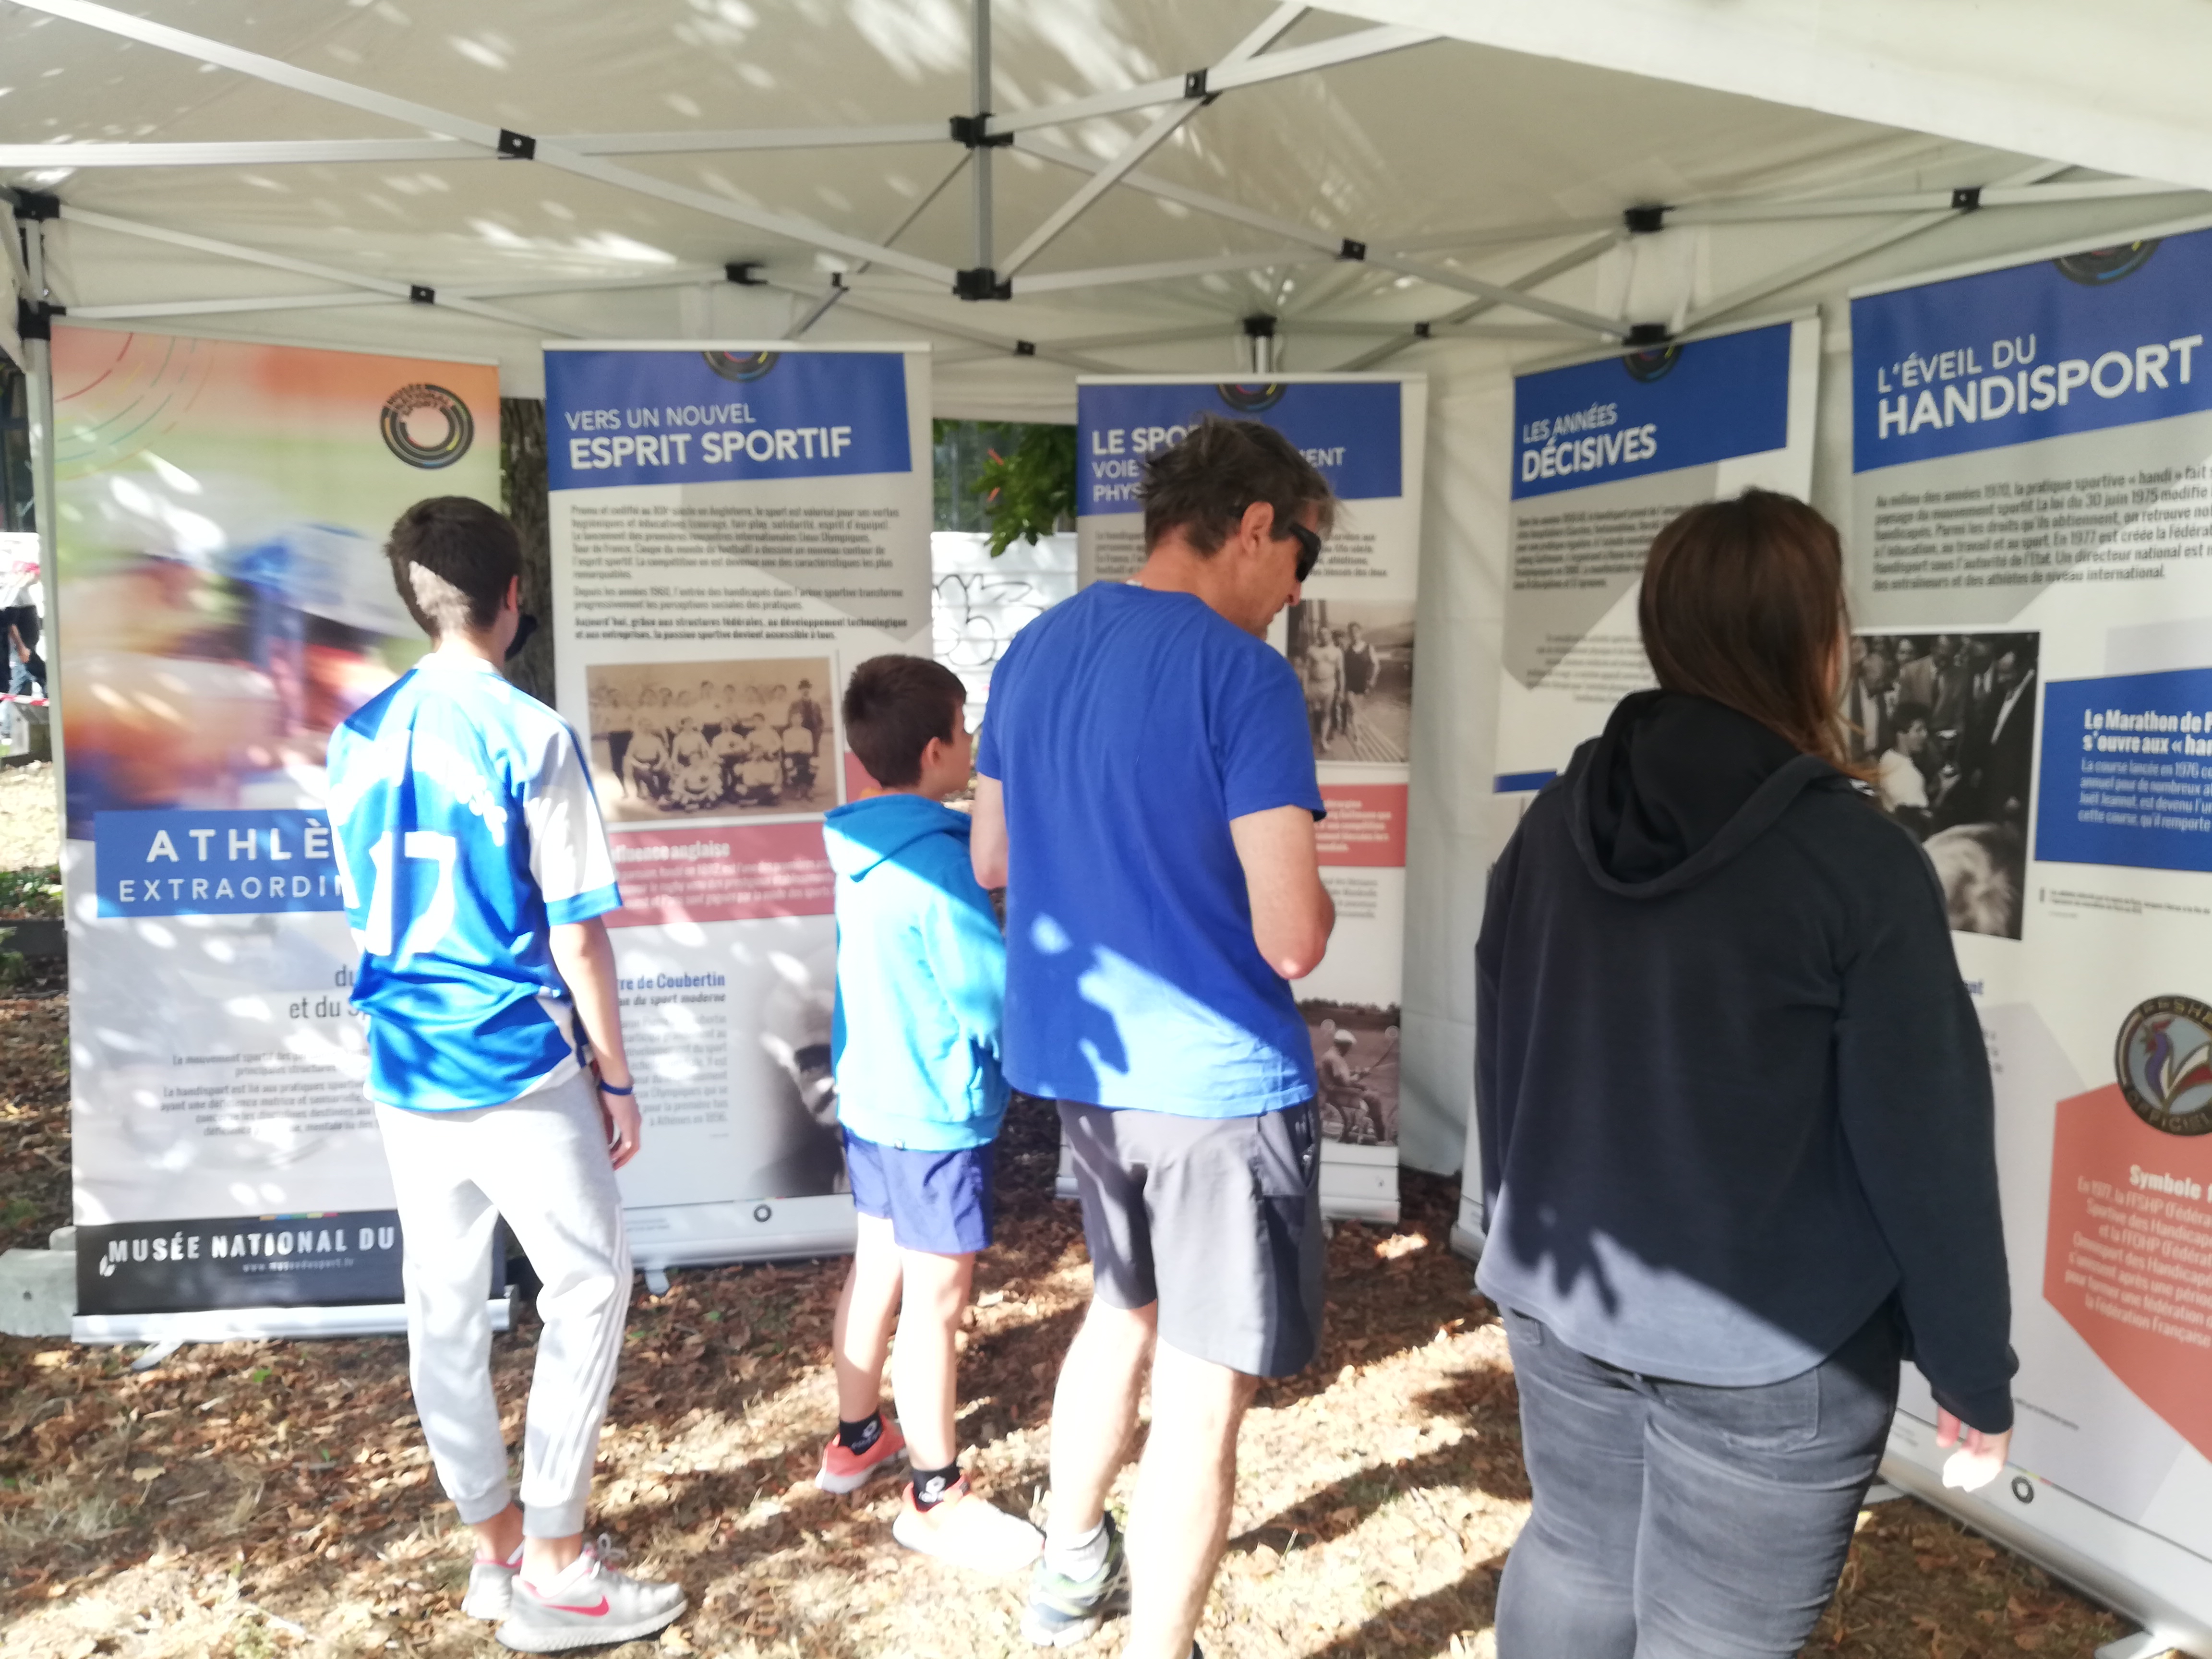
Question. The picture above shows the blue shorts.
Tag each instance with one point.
(938, 1203)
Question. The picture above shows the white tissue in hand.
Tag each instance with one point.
(1963, 1470)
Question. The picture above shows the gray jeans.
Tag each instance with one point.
(1679, 1520)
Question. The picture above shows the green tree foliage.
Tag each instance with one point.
(1012, 480)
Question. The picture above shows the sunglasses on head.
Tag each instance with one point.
(1308, 549)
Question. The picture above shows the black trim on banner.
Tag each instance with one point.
(245, 1261)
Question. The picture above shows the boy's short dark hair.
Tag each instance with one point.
(1202, 485)
(451, 560)
(893, 707)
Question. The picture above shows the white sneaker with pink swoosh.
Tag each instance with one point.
(590, 1604)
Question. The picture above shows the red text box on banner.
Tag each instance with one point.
(2129, 1259)
(1365, 825)
(727, 872)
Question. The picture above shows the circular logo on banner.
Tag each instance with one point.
(2101, 265)
(740, 365)
(407, 410)
(2165, 1062)
(1252, 399)
(1648, 366)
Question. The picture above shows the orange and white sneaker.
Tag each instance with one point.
(849, 1471)
(965, 1530)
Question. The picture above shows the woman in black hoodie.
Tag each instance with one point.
(1736, 1130)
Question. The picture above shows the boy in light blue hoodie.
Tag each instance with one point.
(921, 979)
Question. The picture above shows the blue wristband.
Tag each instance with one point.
(606, 1088)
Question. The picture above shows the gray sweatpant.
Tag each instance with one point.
(540, 1163)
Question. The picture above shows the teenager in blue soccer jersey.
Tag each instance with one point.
(1146, 796)
(921, 982)
(476, 870)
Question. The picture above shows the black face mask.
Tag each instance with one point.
(525, 626)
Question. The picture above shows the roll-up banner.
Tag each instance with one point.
(223, 602)
(1350, 638)
(1606, 451)
(2031, 561)
(735, 527)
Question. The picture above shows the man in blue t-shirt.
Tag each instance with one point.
(476, 872)
(1146, 796)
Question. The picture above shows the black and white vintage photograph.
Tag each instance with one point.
(1355, 662)
(752, 735)
(1355, 1048)
(1947, 722)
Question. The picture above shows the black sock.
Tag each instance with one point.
(857, 1438)
(932, 1486)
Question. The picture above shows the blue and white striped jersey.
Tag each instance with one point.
(465, 826)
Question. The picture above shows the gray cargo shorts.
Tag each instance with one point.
(1217, 1219)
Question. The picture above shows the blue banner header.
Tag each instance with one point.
(671, 417)
(2127, 771)
(1651, 412)
(185, 863)
(1350, 430)
(2093, 340)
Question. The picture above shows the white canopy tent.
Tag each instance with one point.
(1456, 186)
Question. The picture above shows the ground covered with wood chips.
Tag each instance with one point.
(256, 1499)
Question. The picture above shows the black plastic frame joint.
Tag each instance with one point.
(419, 294)
(1642, 336)
(1966, 197)
(516, 146)
(1194, 84)
(1646, 220)
(973, 132)
(746, 273)
(1421, 330)
(1025, 348)
(34, 318)
(1259, 325)
(1349, 249)
(37, 204)
(982, 283)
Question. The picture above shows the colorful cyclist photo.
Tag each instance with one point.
(746, 737)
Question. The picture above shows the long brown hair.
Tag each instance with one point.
(1743, 603)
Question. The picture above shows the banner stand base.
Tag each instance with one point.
(254, 1324)
(717, 1234)
(2165, 1589)
(2143, 1644)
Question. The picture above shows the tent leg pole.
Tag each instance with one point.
(46, 513)
(980, 158)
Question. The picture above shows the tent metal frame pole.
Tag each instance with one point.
(1107, 276)
(415, 293)
(288, 152)
(799, 330)
(1342, 246)
(1466, 314)
(157, 308)
(45, 498)
(1010, 346)
(1856, 248)
(1757, 210)
(1165, 126)
(1275, 66)
(979, 84)
(490, 140)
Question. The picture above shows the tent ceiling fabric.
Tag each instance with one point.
(1467, 161)
(2118, 86)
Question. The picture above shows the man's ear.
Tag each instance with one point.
(514, 600)
(1258, 524)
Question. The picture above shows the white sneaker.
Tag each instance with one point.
(589, 1606)
(491, 1587)
(962, 1529)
